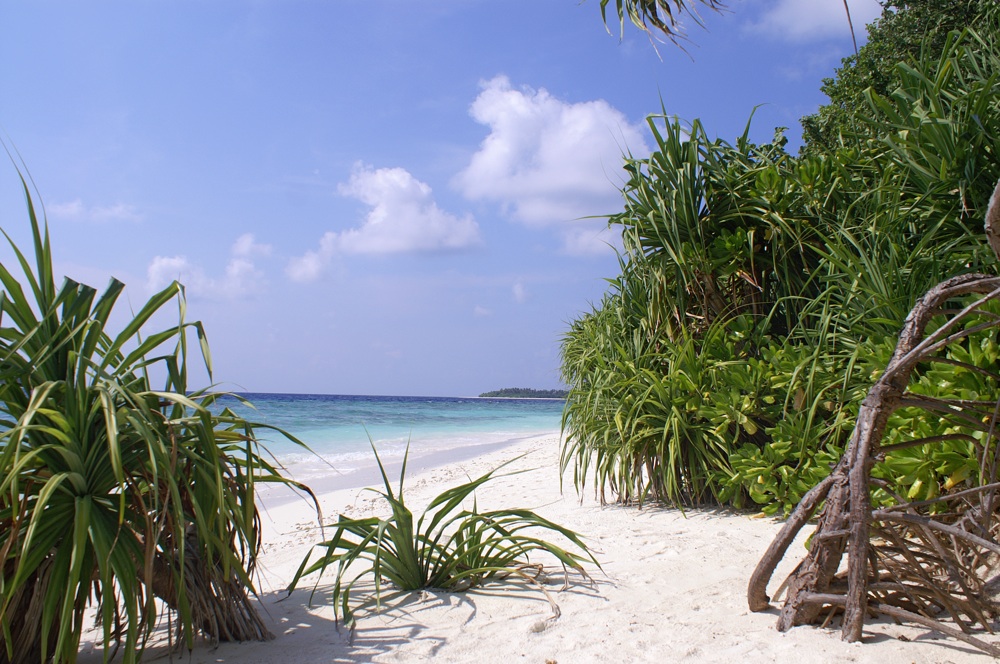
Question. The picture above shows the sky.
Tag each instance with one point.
(372, 197)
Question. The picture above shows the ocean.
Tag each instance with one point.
(338, 428)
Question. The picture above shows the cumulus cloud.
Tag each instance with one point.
(77, 210)
(246, 246)
(404, 218)
(241, 276)
(546, 160)
(804, 20)
(585, 239)
(165, 269)
(310, 265)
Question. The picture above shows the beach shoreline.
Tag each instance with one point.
(672, 587)
(324, 477)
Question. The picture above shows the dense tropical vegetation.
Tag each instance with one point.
(761, 293)
(907, 28)
(113, 492)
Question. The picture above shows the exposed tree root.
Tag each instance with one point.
(926, 562)
(219, 603)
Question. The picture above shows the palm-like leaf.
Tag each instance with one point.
(662, 15)
(111, 488)
(449, 547)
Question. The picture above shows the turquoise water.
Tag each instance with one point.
(337, 427)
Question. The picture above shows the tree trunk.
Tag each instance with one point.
(220, 606)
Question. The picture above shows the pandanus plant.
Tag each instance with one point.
(112, 491)
(449, 547)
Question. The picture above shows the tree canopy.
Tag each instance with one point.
(525, 393)
(907, 31)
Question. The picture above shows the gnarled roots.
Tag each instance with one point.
(930, 562)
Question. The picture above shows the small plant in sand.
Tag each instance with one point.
(449, 547)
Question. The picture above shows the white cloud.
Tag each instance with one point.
(404, 218)
(583, 239)
(310, 265)
(546, 160)
(165, 269)
(804, 20)
(241, 276)
(246, 246)
(519, 292)
(76, 210)
(481, 312)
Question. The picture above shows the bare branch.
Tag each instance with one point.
(992, 224)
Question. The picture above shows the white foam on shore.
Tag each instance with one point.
(323, 474)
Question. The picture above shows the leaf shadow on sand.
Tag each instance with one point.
(421, 622)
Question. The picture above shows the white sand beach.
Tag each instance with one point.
(672, 589)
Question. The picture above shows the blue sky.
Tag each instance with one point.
(372, 197)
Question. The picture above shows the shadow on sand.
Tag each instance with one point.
(306, 630)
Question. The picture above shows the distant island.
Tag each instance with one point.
(525, 393)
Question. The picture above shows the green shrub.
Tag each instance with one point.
(449, 547)
(109, 487)
(760, 294)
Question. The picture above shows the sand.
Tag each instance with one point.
(672, 588)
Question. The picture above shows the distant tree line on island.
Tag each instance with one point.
(525, 393)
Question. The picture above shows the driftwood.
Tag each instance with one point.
(930, 562)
